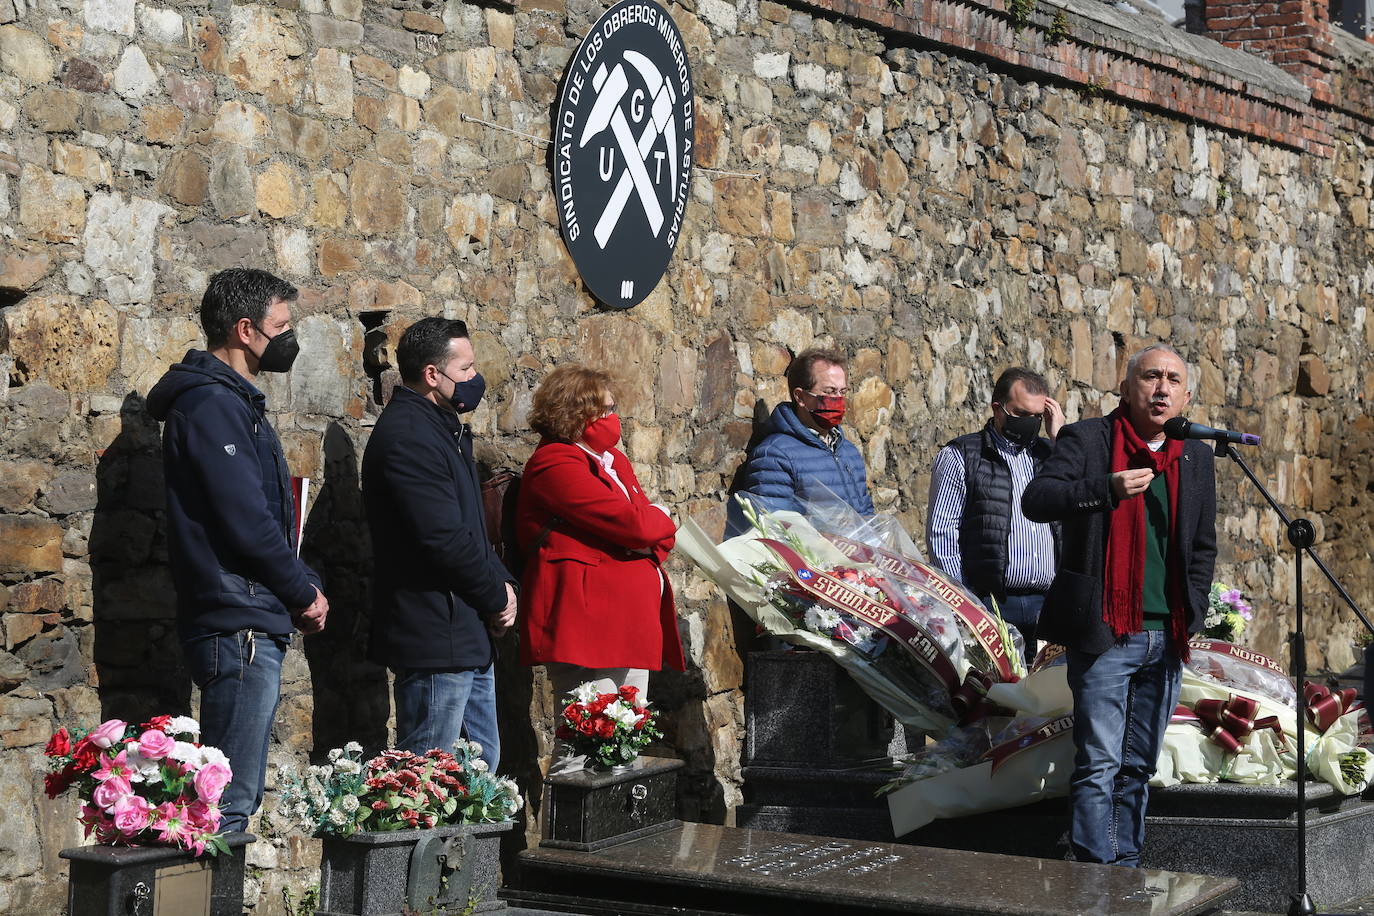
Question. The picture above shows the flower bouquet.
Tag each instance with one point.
(880, 541)
(902, 641)
(396, 790)
(609, 728)
(996, 764)
(1227, 613)
(1236, 721)
(145, 785)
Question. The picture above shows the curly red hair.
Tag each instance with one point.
(568, 399)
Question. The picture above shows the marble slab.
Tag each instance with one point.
(702, 865)
(837, 726)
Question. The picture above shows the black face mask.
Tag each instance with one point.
(280, 352)
(1021, 431)
(467, 395)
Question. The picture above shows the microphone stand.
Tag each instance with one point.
(1302, 534)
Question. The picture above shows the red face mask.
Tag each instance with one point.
(602, 434)
(829, 409)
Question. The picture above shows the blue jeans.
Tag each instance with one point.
(1122, 699)
(239, 676)
(435, 705)
(1023, 612)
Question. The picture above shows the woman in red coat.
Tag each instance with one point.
(594, 602)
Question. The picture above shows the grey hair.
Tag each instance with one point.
(1134, 362)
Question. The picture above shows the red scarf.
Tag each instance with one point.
(1124, 579)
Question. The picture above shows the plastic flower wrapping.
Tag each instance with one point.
(857, 590)
(143, 785)
(1236, 720)
(395, 790)
(609, 728)
(926, 650)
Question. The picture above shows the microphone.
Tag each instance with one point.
(1180, 428)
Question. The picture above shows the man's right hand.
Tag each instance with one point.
(506, 618)
(310, 619)
(1131, 482)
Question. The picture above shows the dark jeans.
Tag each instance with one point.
(435, 705)
(1122, 701)
(239, 676)
(1023, 612)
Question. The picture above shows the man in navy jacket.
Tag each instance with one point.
(440, 591)
(1139, 529)
(240, 586)
(804, 452)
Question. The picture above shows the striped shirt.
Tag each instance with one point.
(1030, 548)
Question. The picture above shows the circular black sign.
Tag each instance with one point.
(622, 159)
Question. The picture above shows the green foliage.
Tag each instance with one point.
(306, 906)
(1223, 193)
(1020, 13)
(1059, 29)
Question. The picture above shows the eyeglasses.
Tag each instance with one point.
(830, 393)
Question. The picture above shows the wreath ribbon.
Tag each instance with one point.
(1325, 706)
(1229, 722)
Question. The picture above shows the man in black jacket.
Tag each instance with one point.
(1139, 528)
(974, 525)
(240, 585)
(440, 592)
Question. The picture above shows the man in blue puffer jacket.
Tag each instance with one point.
(804, 451)
(240, 586)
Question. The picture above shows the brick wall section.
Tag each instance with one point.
(1292, 34)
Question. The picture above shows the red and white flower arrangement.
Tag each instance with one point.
(396, 790)
(610, 728)
(143, 785)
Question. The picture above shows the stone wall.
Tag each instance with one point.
(923, 200)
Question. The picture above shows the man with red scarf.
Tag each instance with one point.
(1139, 548)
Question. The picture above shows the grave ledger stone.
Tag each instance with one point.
(704, 868)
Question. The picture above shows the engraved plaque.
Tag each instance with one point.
(182, 890)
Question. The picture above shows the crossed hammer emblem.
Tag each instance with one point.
(612, 86)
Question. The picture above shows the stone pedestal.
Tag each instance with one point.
(591, 809)
(802, 710)
(394, 872)
(1251, 832)
(155, 880)
(838, 803)
(815, 746)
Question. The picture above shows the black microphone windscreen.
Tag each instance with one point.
(1177, 428)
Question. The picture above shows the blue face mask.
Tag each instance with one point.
(467, 395)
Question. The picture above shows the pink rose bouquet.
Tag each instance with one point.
(147, 785)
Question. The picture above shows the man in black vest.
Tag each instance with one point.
(975, 529)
